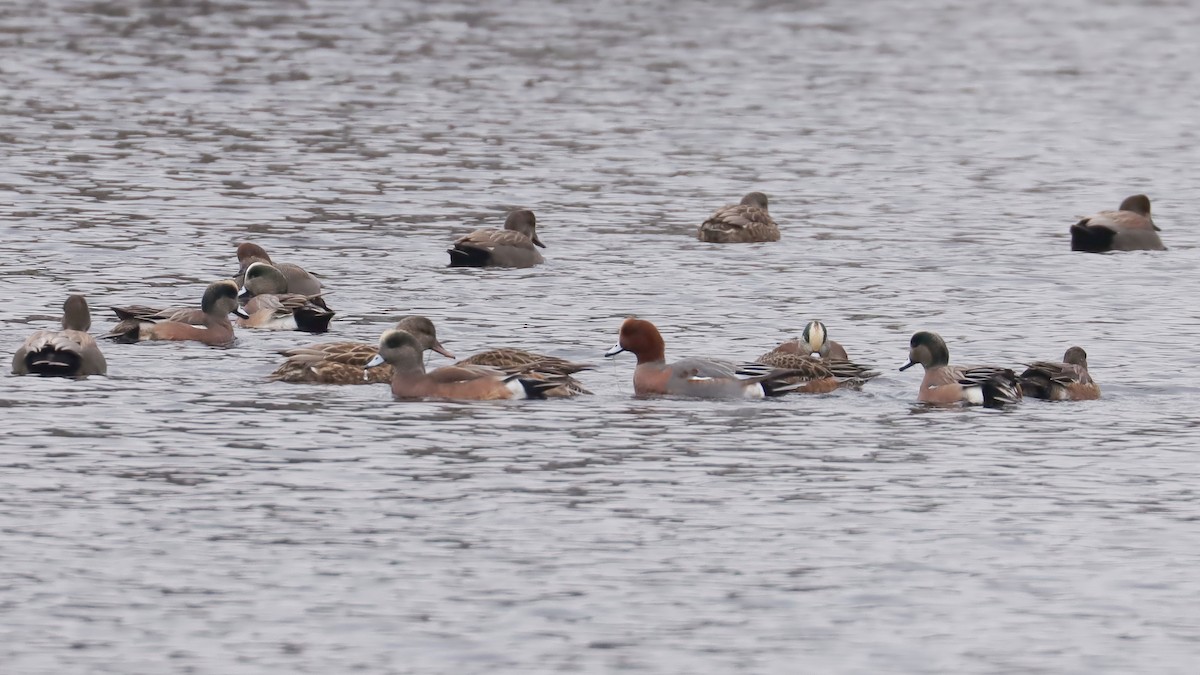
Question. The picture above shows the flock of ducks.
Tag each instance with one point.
(284, 296)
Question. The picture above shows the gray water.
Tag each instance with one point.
(924, 161)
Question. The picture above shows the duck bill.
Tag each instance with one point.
(375, 361)
(437, 347)
(908, 365)
(241, 313)
(616, 349)
(243, 293)
(536, 241)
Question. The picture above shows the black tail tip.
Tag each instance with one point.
(1091, 239)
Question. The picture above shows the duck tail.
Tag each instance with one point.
(125, 332)
(468, 256)
(1001, 389)
(1091, 238)
(312, 319)
(52, 361)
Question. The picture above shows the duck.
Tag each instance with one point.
(818, 376)
(1067, 380)
(511, 247)
(943, 384)
(744, 222)
(514, 360)
(270, 305)
(403, 352)
(1129, 228)
(344, 362)
(69, 352)
(814, 340)
(694, 377)
(298, 279)
(139, 323)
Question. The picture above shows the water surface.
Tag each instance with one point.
(923, 160)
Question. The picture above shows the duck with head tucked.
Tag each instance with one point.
(139, 323)
(69, 352)
(1067, 380)
(270, 305)
(1129, 228)
(695, 377)
(404, 353)
(814, 340)
(344, 362)
(745, 222)
(298, 279)
(822, 373)
(514, 246)
(944, 384)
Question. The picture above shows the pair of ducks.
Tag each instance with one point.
(72, 352)
(399, 359)
(514, 246)
(995, 386)
(1129, 228)
(280, 296)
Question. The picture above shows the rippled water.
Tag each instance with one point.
(924, 161)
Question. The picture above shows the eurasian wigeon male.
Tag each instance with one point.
(298, 279)
(511, 247)
(740, 223)
(140, 323)
(1067, 380)
(403, 352)
(693, 377)
(344, 362)
(69, 352)
(1129, 228)
(944, 384)
(270, 306)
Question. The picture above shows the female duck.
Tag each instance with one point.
(1067, 380)
(344, 362)
(741, 223)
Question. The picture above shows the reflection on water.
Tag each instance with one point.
(923, 164)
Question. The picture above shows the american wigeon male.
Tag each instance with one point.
(344, 362)
(271, 307)
(1129, 228)
(814, 340)
(69, 352)
(514, 246)
(945, 384)
(403, 352)
(820, 375)
(1067, 380)
(693, 377)
(219, 301)
(745, 222)
(298, 280)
